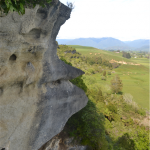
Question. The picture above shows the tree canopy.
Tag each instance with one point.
(116, 84)
(20, 5)
(126, 55)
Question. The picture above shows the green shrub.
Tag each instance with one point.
(104, 73)
(127, 107)
(112, 108)
(122, 132)
(64, 60)
(109, 73)
(103, 78)
(141, 111)
(116, 84)
(77, 81)
(141, 138)
(126, 142)
(80, 83)
(91, 71)
(88, 125)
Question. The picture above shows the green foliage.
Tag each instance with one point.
(128, 122)
(91, 71)
(77, 81)
(115, 65)
(141, 139)
(126, 142)
(103, 78)
(80, 83)
(112, 107)
(126, 55)
(90, 60)
(20, 5)
(127, 107)
(141, 111)
(104, 73)
(99, 97)
(64, 60)
(88, 125)
(116, 84)
(109, 72)
(106, 63)
(118, 130)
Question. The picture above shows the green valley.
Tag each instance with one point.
(117, 114)
(135, 78)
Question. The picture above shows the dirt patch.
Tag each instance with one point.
(122, 62)
(146, 121)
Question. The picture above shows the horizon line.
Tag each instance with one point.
(98, 38)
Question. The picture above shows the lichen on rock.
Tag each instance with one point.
(36, 97)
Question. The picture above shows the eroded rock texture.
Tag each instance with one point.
(36, 98)
(63, 141)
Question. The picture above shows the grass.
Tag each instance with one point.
(105, 54)
(142, 61)
(135, 78)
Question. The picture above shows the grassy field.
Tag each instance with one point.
(91, 51)
(135, 78)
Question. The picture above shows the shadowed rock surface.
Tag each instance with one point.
(36, 98)
(62, 141)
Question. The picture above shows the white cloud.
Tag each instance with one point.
(122, 19)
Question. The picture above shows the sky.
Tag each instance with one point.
(125, 20)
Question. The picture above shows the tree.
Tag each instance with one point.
(20, 5)
(116, 84)
(99, 97)
(104, 73)
(126, 55)
(87, 125)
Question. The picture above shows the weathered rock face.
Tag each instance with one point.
(62, 141)
(58, 143)
(36, 98)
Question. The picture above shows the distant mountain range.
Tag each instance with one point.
(108, 43)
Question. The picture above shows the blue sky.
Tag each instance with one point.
(122, 19)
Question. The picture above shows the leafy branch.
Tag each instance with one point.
(20, 5)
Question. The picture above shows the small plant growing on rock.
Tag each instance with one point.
(70, 5)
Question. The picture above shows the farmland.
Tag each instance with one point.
(135, 78)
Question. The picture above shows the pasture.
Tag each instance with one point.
(135, 78)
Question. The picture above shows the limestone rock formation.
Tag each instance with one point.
(36, 98)
(63, 141)
(58, 143)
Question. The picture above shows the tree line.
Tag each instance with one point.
(126, 55)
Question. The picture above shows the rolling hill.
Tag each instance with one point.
(108, 43)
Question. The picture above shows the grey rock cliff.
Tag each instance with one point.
(36, 98)
(63, 141)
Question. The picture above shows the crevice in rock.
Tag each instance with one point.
(13, 57)
(41, 13)
(35, 34)
(1, 91)
(56, 82)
